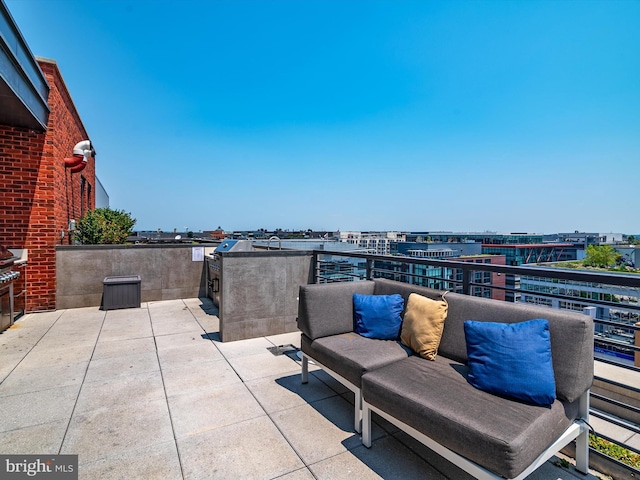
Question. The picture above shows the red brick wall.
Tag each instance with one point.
(39, 196)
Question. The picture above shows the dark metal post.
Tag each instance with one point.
(466, 280)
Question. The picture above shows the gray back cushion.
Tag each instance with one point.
(389, 287)
(330, 306)
(571, 332)
(571, 337)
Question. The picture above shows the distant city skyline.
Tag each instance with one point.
(349, 115)
(417, 231)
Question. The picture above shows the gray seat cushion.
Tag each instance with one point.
(351, 355)
(434, 397)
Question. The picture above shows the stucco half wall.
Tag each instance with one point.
(167, 272)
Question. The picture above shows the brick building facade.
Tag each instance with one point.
(39, 195)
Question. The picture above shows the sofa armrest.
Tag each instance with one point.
(327, 309)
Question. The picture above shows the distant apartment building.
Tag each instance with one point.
(584, 238)
(621, 313)
(483, 284)
(520, 254)
(378, 243)
(475, 237)
(457, 249)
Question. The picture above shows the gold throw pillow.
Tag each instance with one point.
(423, 324)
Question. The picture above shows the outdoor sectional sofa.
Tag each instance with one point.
(486, 434)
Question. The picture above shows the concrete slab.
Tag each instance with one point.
(263, 365)
(108, 431)
(250, 449)
(197, 377)
(448, 469)
(210, 325)
(35, 440)
(206, 410)
(169, 309)
(120, 391)
(172, 326)
(85, 315)
(119, 348)
(174, 340)
(302, 474)
(278, 392)
(17, 339)
(40, 319)
(387, 458)
(70, 339)
(33, 378)
(50, 355)
(8, 363)
(36, 408)
(330, 420)
(128, 315)
(126, 331)
(112, 368)
(158, 461)
(202, 309)
(190, 355)
(244, 348)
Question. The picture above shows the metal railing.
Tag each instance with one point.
(561, 288)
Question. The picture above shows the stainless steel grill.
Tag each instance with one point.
(7, 278)
(214, 265)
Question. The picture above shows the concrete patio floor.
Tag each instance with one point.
(151, 393)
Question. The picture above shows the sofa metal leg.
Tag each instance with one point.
(366, 426)
(305, 368)
(582, 441)
(582, 452)
(357, 414)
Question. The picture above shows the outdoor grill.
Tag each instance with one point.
(214, 265)
(7, 278)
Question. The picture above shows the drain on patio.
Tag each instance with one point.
(288, 350)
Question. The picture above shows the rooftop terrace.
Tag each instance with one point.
(151, 392)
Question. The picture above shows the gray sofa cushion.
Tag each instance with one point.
(350, 355)
(572, 360)
(571, 337)
(330, 306)
(502, 435)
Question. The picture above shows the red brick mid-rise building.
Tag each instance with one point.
(39, 195)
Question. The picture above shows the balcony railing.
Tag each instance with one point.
(612, 299)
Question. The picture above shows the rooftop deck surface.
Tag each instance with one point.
(151, 393)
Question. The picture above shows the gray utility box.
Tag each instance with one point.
(121, 292)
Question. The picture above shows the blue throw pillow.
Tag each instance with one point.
(378, 316)
(511, 359)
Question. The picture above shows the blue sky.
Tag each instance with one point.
(353, 115)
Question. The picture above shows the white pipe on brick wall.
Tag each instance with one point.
(82, 148)
(81, 153)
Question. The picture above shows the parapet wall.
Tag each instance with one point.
(259, 292)
(167, 272)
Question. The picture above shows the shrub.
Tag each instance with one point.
(104, 226)
(614, 451)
